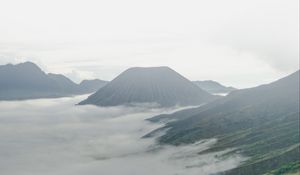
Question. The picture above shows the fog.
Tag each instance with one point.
(232, 42)
(57, 137)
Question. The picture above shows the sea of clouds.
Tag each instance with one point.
(57, 137)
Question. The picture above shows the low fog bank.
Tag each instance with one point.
(55, 137)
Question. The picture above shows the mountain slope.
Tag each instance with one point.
(64, 84)
(160, 85)
(89, 86)
(25, 80)
(214, 87)
(261, 122)
(28, 81)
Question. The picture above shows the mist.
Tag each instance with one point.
(57, 137)
(232, 42)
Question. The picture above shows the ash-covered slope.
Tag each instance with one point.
(160, 85)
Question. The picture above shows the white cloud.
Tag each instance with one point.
(54, 137)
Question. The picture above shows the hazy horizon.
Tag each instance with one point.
(91, 78)
(237, 43)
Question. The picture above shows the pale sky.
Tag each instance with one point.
(240, 43)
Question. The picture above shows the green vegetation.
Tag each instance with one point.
(287, 169)
(262, 123)
(268, 146)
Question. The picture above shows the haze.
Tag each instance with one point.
(232, 42)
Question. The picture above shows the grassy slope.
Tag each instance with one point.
(269, 145)
(287, 169)
(262, 123)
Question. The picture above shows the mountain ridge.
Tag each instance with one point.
(28, 81)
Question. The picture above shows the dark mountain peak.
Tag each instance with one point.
(160, 85)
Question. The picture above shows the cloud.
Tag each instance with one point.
(55, 137)
(201, 39)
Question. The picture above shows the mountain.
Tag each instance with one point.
(84, 87)
(28, 81)
(214, 87)
(159, 85)
(261, 123)
(89, 86)
(64, 84)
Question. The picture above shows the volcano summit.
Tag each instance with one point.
(158, 85)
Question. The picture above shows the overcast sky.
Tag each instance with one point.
(241, 43)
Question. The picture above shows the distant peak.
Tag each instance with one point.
(27, 63)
